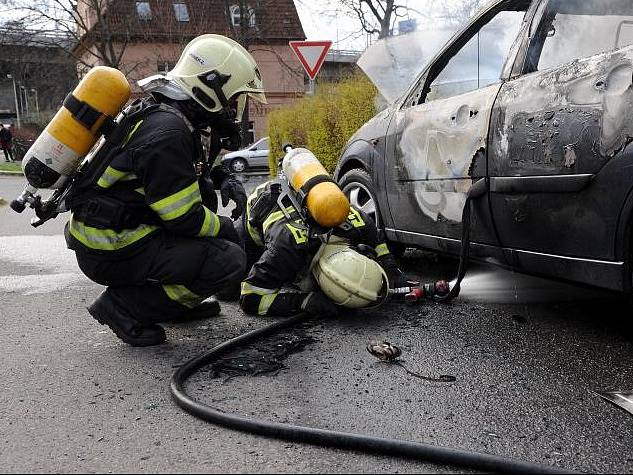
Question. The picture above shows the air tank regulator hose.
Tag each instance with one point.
(330, 438)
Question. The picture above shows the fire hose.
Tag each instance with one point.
(343, 440)
(323, 437)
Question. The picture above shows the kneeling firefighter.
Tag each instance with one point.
(300, 233)
(144, 230)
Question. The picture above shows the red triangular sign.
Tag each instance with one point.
(311, 54)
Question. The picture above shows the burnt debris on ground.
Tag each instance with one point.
(262, 358)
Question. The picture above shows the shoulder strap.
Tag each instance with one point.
(88, 175)
(173, 110)
(311, 183)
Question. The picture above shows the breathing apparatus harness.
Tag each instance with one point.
(93, 206)
(298, 199)
(78, 188)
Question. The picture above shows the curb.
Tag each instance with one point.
(10, 173)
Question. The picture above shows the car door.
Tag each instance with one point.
(259, 154)
(438, 140)
(556, 124)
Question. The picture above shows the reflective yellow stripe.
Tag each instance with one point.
(140, 190)
(268, 296)
(276, 216)
(382, 250)
(110, 177)
(211, 224)
(256, 193)
(182, 295)
(107, 239)
(248, 289)
(129, 177)
(132, 132)
(300, 235)
(355, 218)
(253, 233)
(178, 204)
(265, 303)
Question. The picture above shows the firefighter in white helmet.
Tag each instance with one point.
(145, 230)
(284, 248)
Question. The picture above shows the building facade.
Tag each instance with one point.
(148, 37)
(35, 76)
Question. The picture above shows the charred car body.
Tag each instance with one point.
(536, 98)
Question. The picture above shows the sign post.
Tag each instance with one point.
(312, 55)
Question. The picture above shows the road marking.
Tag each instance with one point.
(41, 284)
(55, 265)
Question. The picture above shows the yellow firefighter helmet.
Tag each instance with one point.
(348, 278)
(213, 70)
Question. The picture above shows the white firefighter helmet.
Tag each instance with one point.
(213, 70)
(349, 278)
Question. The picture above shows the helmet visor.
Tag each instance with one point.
(240, 101)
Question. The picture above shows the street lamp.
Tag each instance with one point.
(24, 93)
(37, 103)
(15, 96)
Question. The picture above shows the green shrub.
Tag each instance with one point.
(323, 122)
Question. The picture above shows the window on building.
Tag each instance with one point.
(143, 11)
(182, 14)
(236, 16)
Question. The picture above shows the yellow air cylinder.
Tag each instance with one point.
(325, 201)
(69, 136)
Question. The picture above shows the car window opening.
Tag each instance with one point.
(477, 58)
(571, 29)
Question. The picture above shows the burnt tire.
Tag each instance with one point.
(359, 188)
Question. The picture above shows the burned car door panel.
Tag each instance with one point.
(438, 141)
(439, 149)
(566, 117)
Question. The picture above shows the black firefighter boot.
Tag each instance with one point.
(108, 311)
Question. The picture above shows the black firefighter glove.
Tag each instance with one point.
(228, 232)
(230, 189)
(317, 304)
(397, 278)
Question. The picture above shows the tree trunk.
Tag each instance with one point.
(385, 24)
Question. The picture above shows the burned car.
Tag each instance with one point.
(536, 99)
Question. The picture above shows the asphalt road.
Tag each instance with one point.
(526, 353)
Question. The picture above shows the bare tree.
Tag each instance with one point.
(457, 13)
(378, 17)
(92, 34)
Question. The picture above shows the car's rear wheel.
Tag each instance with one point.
(238, 165)
(358, 187)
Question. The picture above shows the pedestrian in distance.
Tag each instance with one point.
(6, 142)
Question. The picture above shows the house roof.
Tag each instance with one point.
(277, 21)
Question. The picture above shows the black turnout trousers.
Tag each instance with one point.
(168, 275)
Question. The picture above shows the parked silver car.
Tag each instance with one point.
(252, 158)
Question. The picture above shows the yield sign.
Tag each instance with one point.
(311, 54)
